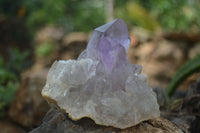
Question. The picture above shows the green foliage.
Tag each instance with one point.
(9, 77)
(140, 16)
(135, 15)
(7, 93)
(18, 61)
(174, 14)
(73, 15)
(79, 15)
(44, 12)
(8, 86)
(186, 70)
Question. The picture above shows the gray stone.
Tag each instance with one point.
(58, 122)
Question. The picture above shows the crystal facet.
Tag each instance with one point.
(101, 84)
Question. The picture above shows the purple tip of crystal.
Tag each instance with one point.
(117, 31)
(108, 42)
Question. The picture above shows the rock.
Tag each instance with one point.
(142, 34)
(185, 112)
(186, 123)
(73, 44)
(102, 84)
(51, 44)
(47, 45)
(156, 57)
(75, 37)
(191, 105)
(58, 122)
(28, 106)
(7, 127)
(194, 89)
(49, 33)
(46, 53)
(190, 36)
(168, 50)
(161, 97)
(143, 52)
(194, 51)
(73, 50)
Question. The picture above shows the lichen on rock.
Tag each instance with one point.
(101, 84)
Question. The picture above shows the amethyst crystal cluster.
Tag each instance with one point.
(101, 84)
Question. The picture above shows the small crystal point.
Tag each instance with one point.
(102, 84)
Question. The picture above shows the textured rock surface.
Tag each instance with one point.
(102, 84)
(57, 122)
(28, 108)
(7, 127)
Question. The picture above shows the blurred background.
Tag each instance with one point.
(35, 33)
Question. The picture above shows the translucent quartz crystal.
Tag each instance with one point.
(101, 84)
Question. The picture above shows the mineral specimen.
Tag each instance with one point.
(101, 84)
